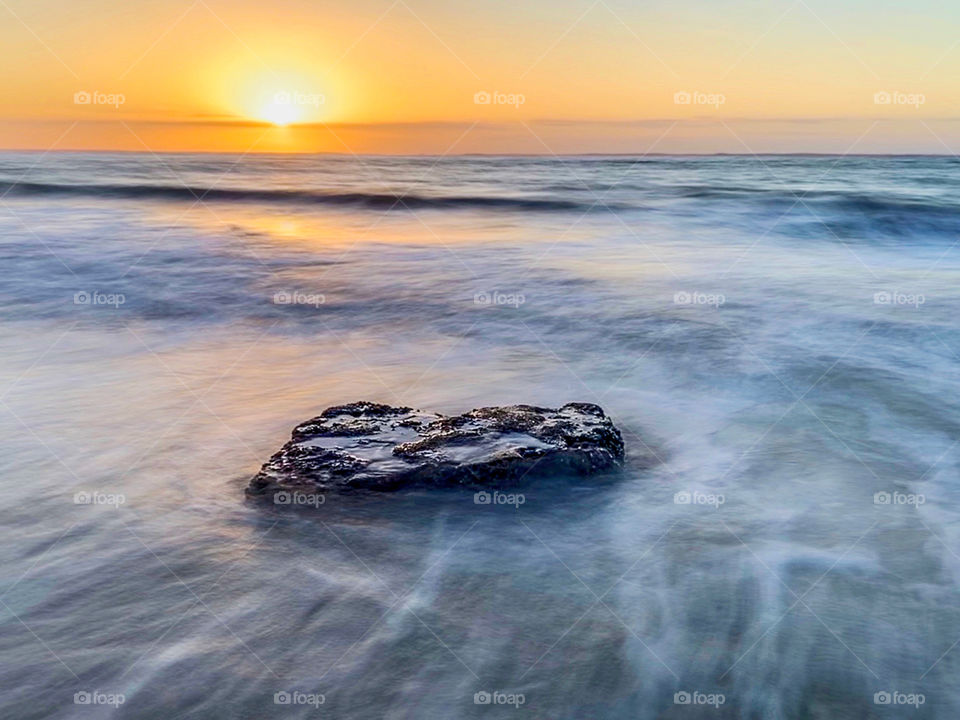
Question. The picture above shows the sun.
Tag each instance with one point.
(281, 98)
(281, 113)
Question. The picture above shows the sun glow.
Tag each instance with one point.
(281, 98)
(280, 114)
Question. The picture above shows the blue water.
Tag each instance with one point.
(781, 333)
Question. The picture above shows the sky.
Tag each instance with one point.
(490, 76)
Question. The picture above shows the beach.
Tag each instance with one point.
(778, 331)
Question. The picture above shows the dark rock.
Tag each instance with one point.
(370, 446)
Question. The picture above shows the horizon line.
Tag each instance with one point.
(241, 122)
(88, 151)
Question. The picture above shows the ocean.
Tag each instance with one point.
(780, 333)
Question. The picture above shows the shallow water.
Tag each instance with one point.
(780, 331)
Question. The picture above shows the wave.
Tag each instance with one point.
(844, 201)
(355, 199)
(919, 211)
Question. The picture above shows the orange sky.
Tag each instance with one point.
(436, 77)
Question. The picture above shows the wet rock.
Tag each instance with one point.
(371, 446)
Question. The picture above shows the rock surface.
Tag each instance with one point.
(370, 446)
